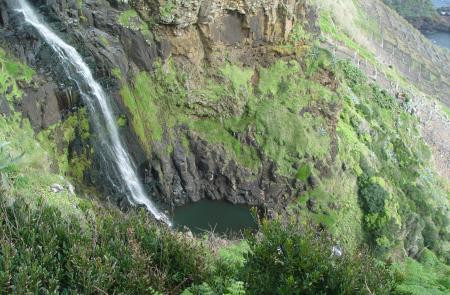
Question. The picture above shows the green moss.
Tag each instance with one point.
(215, 133)
(303, 173)
(105, 41)
(291, 119)
(11, 72)
(125, 17)
(122, 121)
(274, 79)
(286, 137)
(56, 140)
(283, 135)
(141, 124)
(130, 19)
(395, 154)
(151, 102)
(239, 77)
(166, 10)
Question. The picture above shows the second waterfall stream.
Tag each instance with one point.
(100, 110)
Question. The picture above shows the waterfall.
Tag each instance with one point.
(100, 111)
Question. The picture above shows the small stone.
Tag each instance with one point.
(70, 189)
(312, 181)
(312, 204)
(336, 251)
(188, 232)
(56, 188)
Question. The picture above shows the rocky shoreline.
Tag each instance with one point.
(440, 22)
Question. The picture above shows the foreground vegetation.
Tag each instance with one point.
(43, 252)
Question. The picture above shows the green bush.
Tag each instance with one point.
(354, 76)
(372, 195)
(286, 259)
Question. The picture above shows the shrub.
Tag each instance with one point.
(286, 259)
(372, 195)
(354, 76)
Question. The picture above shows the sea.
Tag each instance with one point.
(440, 38)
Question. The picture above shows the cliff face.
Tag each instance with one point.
(250, 101)
(115, 36)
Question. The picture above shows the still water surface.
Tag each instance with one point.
(441, 3)
(440, 38)
(220, 216)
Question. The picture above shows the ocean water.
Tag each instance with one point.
(441, 3)
(440, 38)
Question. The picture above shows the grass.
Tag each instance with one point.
(285, 112)
(290, 113)
(327, 26)
(12, 72)
(446, 110)
(31, 177)
(144, 112)
(278, 130)
(303, 173)
(428, 276)
(54, 242)
(395, 153)
(238, 77)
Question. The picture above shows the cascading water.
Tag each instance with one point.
(100, 110)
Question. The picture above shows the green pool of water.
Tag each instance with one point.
(218, 216)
